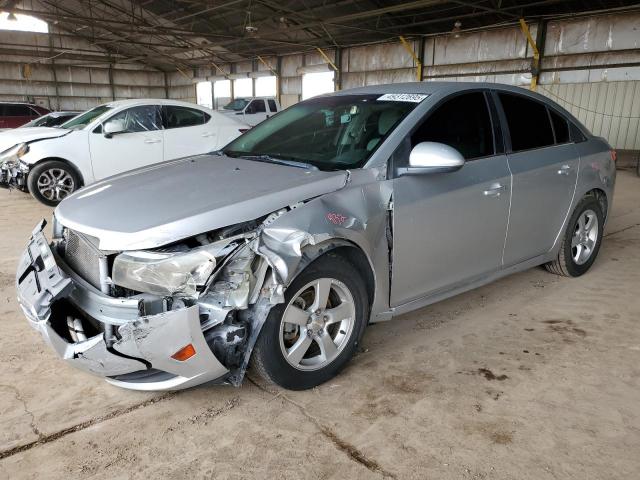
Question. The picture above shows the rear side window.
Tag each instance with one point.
(272, 105)
(18, 111)
(560, 127)
(256, 106)
(528, 121)
(178, 117)
(462, 123)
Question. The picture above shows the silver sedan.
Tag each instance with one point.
(340, 211)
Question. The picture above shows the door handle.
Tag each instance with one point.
(564, 170)
(494, 190)
(152, 140)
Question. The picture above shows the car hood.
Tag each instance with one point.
(164, 203)
(9, 138)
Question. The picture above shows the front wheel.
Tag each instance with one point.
(51, 181)
(311, 337)
(582, 239)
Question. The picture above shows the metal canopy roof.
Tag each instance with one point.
(180, 34)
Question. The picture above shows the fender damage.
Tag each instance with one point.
(135, 339)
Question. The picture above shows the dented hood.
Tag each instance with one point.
(15, 136)
(157, 205)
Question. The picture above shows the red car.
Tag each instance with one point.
(15, 114)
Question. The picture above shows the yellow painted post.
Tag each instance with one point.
(409, 49)
(327, 59)
(264, 62)
(536, 54)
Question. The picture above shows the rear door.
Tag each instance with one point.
(449, 228)
(140, 146)
(544, 163)
(187, 131)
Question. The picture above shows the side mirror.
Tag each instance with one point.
(433, 157)
(113, 127)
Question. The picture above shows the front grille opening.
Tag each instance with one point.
(60, 310)
(82, 257)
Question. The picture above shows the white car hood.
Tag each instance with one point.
(9, 138)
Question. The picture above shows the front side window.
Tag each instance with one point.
(272, 105)
(528, 122)
(86, 118)
(332, 133)
(144, 118)
(257, 106)
(462, 123)
(178, 117)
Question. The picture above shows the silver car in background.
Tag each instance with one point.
(342, 210)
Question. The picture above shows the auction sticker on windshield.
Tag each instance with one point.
(403, 97)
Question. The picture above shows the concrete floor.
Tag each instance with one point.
(532, 377)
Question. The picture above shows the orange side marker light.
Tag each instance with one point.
(185, 353)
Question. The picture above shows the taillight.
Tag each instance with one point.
(614, 155)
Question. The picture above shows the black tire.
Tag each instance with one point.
(45, 170)
(268, 359)
(565, 264)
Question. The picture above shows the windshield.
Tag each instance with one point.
(237, 105)
(331, 133)
(86, 118)
(38, 122)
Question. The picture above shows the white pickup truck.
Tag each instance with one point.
(252, 109)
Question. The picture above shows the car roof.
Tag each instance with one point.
(431, 88)
(64, 112)
(152, 101)
(5, 102)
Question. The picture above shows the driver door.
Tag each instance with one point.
(141, 143)
(449, 228)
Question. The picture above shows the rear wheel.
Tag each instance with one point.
(51, 181)
(311, 337)
(581, 241)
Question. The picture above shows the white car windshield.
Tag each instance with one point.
(81, 121)
(237, 105)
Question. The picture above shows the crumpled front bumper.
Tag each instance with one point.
(139, 356)
(15, 177)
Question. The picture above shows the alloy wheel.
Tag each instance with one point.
(55, 184)
(584, 237)
(316, 324)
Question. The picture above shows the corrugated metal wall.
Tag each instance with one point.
(608, 109)
(590, 65)
(55, 83)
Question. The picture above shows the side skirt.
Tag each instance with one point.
(461, 288)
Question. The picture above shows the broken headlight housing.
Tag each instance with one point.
(10, 158)
(169, 273)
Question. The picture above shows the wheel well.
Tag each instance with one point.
(67, 162)
(601, 197)
(359, 260)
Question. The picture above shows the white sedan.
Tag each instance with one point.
(52, 163)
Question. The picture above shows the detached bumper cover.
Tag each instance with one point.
(143, 343)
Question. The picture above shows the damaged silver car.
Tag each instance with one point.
(343, 210)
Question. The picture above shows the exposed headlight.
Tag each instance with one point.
(10, 158)
(169, 273)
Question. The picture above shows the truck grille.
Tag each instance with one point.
(82, 257)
